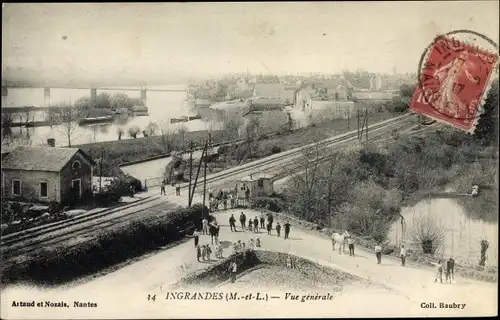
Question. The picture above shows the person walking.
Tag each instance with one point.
(178, 190)
(439, 271)
(255, 224)
(204, 252)
(402, 254)
(232, 223)
(162, 188)
(269, 228)
(278, 229)
(350, 242)
(250, 225)
(209, 251)
(198, 253)
(262, 221)
(233, 268)
(196, 236)
(450, 269)
(287, 229)
(378, 253)
(210, 194)
(204, 224)
(243, 220)
(270, 219)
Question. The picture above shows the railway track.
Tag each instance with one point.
(30, 241)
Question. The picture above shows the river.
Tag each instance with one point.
(161, 107)
(463, 234)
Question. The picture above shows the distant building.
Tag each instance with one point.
(259, 186)
(202, 103)
(46, 174)
(266, 104)
(269, 90)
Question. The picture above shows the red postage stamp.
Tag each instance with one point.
(453, 82)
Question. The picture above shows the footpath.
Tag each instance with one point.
(131, 284)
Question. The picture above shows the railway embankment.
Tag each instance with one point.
(65, 263)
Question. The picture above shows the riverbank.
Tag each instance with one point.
(275, 139)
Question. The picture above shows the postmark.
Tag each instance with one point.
(454, 77)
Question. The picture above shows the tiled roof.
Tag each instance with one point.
(40, 158)
(267, 101)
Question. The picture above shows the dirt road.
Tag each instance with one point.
(124, 293)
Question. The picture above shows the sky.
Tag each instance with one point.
(196, 39)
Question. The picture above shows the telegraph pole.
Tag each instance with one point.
(348, 118)
(100, 169)
(190, 170)
(366, 122)
(357, 116)
(203, 154)
(205, 181)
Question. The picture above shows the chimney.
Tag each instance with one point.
(51, 142)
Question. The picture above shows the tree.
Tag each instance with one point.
(426, 231)
(487, 127)
(68, 117)
(182, 132)
(120, 132)
(407, 90)
(151, 129)
(167, 134)
(134, 131)
(250, 134)
(120, 100)
(103, 101)
(303, 186)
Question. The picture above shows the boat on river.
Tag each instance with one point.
(93, 120)
(185, 118)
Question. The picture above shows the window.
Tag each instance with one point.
(43, 190)
(260, 183)
(76, 164)
(16, 187)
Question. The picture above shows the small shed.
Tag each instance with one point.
(258, 185)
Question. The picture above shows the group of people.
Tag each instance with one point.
(257, 223)
(225, 198)
(203, 252)
(251, 245)
(163, 187)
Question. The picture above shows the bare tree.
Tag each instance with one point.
(182, 133)
(425, 230)
(68, 117)
(134, 131)
(304, 182)
(167, 134)
(151, 128)
(250, 134)
(120, 132)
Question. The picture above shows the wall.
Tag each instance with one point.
(68, 174)
(266, 190)
(30, 185)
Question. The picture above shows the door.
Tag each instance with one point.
(77, 187)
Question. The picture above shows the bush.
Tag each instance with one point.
(272, 204)
(276, 149)
(111, 247)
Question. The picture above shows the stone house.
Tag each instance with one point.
(46, 173)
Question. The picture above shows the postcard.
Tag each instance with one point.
(249, 160)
